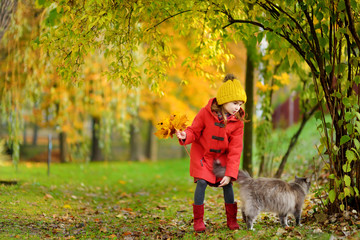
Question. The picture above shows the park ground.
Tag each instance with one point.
(135, 200)
(151, 200)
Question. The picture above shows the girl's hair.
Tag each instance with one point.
(215, 107)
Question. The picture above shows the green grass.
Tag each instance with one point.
(304, 154)
(118, 201)
(148, 200)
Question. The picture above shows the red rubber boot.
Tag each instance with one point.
(231, 212)
(198, 211)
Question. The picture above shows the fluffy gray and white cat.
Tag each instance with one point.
(269, 195)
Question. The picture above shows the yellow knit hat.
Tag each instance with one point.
(231, 90)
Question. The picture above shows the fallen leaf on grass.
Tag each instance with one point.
(289, 229)
(125, 195)
(321, 217)
(48, 196)
(67, 206)
(161, 207)
(127, 209)
(121, 216)
(56, 230)
(280, 232)
(162, 222)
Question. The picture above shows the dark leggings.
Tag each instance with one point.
(199, 195)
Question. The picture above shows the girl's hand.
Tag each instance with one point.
(181, 135)
(225, 181)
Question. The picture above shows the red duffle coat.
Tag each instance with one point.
(211, 139)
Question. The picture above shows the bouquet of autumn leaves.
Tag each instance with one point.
(169, 126)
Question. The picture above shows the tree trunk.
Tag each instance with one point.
(24, 135)
(135, 143)
(96, 154)
(249, 88)
(151, 144)
(35, 134)
(7, 8)
(63, 147)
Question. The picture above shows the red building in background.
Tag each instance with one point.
(287, 113)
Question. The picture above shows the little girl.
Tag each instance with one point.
(216, 134)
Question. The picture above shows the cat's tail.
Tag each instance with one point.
(219, 172)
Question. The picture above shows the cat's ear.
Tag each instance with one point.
(308, 180)
(296, 177)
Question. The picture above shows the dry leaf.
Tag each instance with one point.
(161, 207)
(317, 230)
(48, 196)
(67, 206)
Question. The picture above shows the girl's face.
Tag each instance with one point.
(233, 107)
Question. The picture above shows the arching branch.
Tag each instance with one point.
(165, 19)
(232, 21)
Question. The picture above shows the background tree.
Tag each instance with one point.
(249, 88)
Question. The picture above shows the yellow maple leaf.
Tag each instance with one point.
(169, 126)
(180, 122)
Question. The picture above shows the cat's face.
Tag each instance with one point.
(305, 182)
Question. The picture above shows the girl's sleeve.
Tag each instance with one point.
(235, 150)
(194, 131)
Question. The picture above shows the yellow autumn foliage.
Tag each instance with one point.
(168, 127)
(263, 87)
(283, 79)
